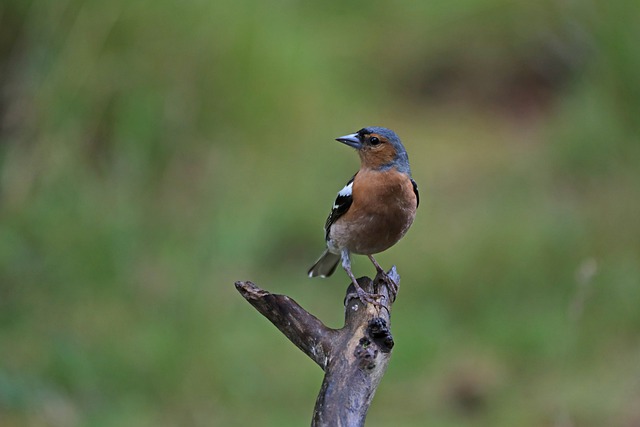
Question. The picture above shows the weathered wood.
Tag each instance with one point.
(354, 357)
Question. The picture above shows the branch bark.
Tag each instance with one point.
(354, 357)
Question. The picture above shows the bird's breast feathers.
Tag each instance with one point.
(375, 210)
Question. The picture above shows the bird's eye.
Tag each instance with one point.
(374, 140)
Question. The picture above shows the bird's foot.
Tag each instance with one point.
(392, 286)
(390, 280)
(387, 278)
(365, 297)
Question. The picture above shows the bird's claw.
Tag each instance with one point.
(392, 286)
(389, 282)
(366, 297)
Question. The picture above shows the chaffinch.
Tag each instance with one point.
(376, 207)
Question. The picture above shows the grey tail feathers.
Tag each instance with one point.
(325, 266)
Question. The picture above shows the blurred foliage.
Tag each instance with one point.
(152, 153)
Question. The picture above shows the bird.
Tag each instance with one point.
(375, 208)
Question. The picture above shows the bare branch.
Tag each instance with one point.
(301, 327)
(354, 358)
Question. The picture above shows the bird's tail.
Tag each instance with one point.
(325, 266)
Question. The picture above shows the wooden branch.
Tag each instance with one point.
(354, 358)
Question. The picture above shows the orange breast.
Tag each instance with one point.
(383, 209)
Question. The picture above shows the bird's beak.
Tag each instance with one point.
(352, 140)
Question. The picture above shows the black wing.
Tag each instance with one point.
(340, 206)
(415, 190)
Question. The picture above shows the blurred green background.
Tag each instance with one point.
(154, 152)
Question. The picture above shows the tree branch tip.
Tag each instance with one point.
(250, 290)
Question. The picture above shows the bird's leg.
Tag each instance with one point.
(393, 286)
(375, 264)
(363, 295)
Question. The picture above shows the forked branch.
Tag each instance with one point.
(354, 357)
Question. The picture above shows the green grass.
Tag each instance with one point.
(152, 153)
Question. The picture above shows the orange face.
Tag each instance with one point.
(376, 151)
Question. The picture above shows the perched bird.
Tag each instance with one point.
(376, 207)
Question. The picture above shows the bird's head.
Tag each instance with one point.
(379, 148)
